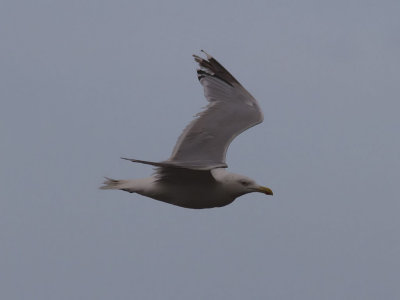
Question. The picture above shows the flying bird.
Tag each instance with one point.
(195, 175)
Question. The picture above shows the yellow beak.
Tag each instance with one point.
(265, 190)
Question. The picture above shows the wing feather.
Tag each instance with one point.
(231, 110)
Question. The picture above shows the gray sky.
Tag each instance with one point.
(85, 82)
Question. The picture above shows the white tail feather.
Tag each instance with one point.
(131, 185)
(113, 184)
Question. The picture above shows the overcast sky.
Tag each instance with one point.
(83, 83)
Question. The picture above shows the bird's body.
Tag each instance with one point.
(194, 175)
(189, 189)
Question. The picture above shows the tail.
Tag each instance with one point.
(113, 184)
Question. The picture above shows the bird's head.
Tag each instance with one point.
(238, 184)
(247, 185)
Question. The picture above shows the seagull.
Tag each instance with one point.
(195, 175)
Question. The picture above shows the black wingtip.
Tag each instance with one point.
(209, 66)
(201, 74)
(208, 55)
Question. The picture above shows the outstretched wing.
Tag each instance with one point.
(231, 110)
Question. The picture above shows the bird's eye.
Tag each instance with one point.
(244, 182)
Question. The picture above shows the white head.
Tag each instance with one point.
(237, 184)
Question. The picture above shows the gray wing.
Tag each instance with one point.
(231, 110)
